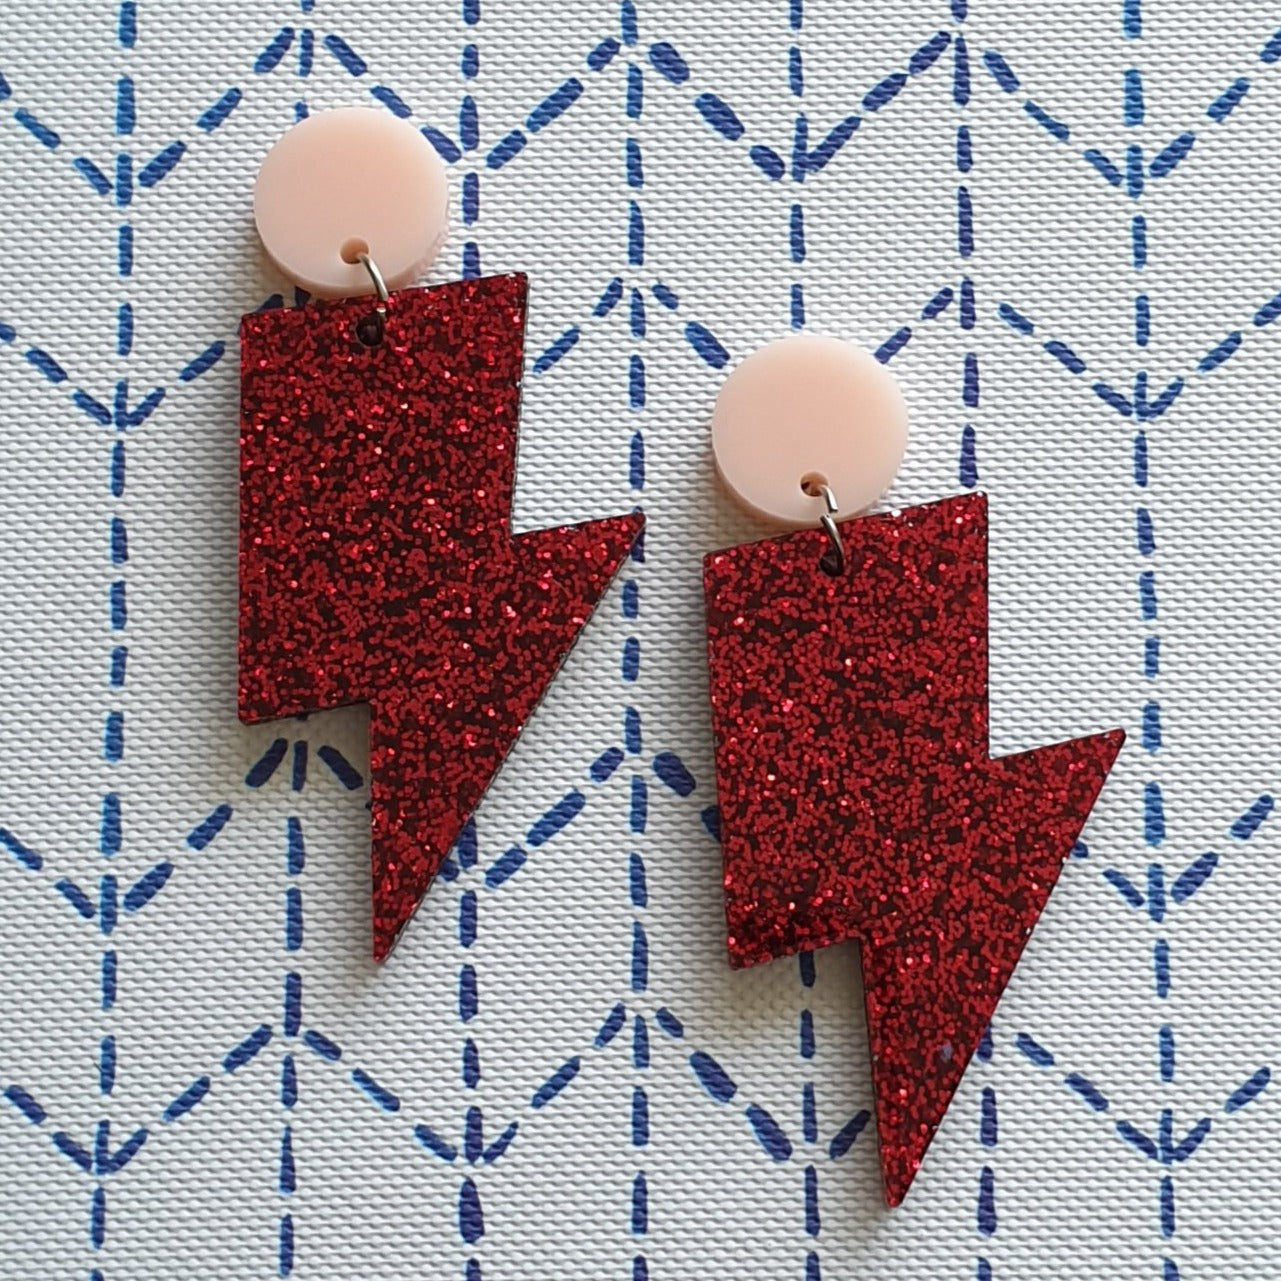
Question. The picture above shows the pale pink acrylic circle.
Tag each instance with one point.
(345, 180)
(808, 408)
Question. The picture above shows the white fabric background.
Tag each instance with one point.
(1170, 1173)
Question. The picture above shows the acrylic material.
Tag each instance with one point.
(346, 181)
(377, 562)
(803, 411)
(858, 799)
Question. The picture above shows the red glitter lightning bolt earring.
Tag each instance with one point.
(377, 460)
(848, 672)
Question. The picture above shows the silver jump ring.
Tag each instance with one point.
(832, 561)
(380, 285)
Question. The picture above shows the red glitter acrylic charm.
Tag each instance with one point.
(377, 562)
(858, 799)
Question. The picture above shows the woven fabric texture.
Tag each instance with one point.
(1061, 226)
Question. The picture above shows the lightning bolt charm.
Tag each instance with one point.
(858, 799)
(377, 562)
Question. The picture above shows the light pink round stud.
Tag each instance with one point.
(803, 412)
(347, 181)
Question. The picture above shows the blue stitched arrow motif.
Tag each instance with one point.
(107, 1162)
(103, 1161)
(805, 161)
(125, 417)
(1183, 887)
(121, 414)
(1163, 1148)
(1146, 408)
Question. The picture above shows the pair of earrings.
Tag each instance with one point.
(847, 658)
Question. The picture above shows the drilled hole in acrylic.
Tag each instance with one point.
(370, 328)
(352, 248)
(812, 483)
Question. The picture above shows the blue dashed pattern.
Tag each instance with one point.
(1159, 890)
(636, 65)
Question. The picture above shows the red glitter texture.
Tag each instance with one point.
(377, 563)
(858, 799)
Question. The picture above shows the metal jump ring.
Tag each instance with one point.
(832, 561)
(380, 285)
